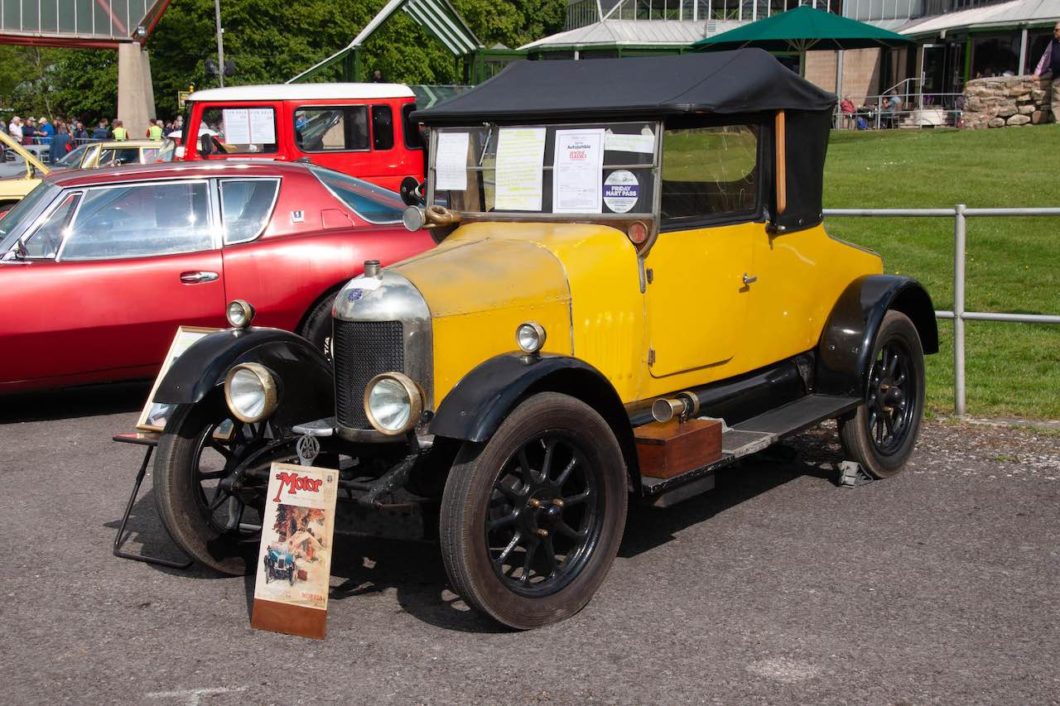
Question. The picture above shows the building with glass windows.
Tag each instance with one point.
(956, 40)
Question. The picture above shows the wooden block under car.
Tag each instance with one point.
(671, 448)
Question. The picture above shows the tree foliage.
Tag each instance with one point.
(269, 41)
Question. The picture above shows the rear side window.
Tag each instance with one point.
(119, 156)
(413, 139)
(370, 202)
(331, 129)
(138, 221)
(226, 131)
(382, 127)
(245, 207)
(709, 173)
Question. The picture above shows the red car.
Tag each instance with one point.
(97, 269)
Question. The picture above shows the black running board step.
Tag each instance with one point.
(798, 415)
(745, 438)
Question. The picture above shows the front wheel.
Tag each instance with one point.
(211, 473)
(531, 522)
(881, 434)
(317, 327)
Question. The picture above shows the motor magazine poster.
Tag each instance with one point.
(294, 561)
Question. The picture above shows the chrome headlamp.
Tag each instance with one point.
(393, 403)
(530, 337)
(240, 313)
(250, 392)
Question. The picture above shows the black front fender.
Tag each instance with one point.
(303, 374)
(845, 349)
(478, 404)
(475, 408)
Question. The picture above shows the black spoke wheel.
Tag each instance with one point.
(317, 327)
(531, 521)
(211, 473)
(882, 433)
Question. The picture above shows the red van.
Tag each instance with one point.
(362, 129)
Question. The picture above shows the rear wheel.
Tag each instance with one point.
(211, 473)
(882, 433)
(531, 522)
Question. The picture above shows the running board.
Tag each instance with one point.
(747, 437)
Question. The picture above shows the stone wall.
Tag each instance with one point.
(1006, 101)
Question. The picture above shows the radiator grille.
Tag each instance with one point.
(363, 349)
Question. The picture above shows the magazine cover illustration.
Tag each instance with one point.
(294, 562)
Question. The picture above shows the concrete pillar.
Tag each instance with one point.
(136, 95)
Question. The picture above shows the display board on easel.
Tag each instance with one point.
(294, 562)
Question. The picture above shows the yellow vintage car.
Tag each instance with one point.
(633, 289)
(112, 153)
(27, 171)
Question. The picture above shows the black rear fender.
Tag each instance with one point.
(475, 408)
(303, 375)
(845, 349)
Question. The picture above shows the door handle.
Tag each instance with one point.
(749, 279)
(198, 277)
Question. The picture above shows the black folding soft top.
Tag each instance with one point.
(741, 81)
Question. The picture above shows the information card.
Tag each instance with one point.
(450, 164)
(577, 169)
(520, 155)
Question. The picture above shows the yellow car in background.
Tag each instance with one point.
(23, 172)
(110, 154)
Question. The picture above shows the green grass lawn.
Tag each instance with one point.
(1013, 263)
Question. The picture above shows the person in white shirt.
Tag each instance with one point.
(15, 129)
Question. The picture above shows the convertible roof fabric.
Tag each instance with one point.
(741, 81)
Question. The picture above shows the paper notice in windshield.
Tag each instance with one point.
(237, 126)
(520, 154)
(643, 143)
(262, 126)
(450, 164)
(577, 171)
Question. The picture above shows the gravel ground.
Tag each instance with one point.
(937, 586)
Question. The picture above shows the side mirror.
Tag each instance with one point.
(413, 192)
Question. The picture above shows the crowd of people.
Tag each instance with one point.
(61, 135)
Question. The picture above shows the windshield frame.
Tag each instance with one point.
(654, 168)
(73, 158)
(34, 204)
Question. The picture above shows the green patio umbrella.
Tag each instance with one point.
(801, 30)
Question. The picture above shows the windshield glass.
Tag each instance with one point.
(24, 212)
(372, 203)
(72, 159)
(597, 168)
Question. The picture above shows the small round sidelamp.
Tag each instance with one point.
(638, 232)
(240, 313)
(250, 392)
(530, 337)
(393, 403)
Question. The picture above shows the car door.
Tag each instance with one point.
(112, 272)
(698, 270)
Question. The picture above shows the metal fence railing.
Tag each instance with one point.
(960, 215)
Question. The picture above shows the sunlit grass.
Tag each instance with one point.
(1013, 264)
